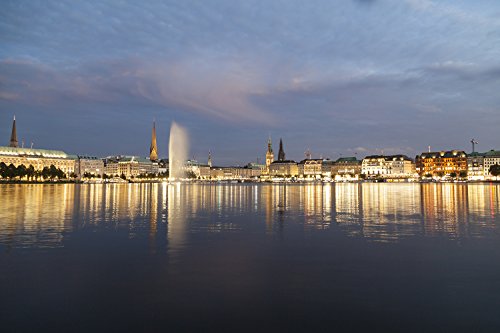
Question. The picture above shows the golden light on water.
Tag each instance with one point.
(41, 215)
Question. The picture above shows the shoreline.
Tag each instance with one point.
(18, 182)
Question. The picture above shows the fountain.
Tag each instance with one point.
(178, 147)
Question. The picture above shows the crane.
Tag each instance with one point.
(474, 143)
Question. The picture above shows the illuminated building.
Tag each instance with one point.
(129, 166)
(345, 168)
(311, 168)
(38, 158)
(283, 169)
(491, 158)
(89, 165)
(475, 166)
(388, 167)
(440, 164)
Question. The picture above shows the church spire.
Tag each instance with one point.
(281, 153)
(269, 145)
(269, 154)
(153, 149)
(13, 135)
(209, 159)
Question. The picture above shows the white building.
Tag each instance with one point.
(388, 167)
(491, 158)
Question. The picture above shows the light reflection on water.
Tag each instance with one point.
(45, 215)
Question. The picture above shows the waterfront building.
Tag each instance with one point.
(89, 165)
(38, 158)
(441, 164)
(475, 166)
(491, 158)
(129, 166)
(197, 169)
(283, 169)
(310, 168)
(388, 167)
(345, 168)
(231, 173)
(163, 166)
(256, 169)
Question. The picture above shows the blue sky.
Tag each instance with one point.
(337, 77)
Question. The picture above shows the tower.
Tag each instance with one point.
(13, 135)
(209, 159)
(153, 149)
(281, 153)
(269, 154)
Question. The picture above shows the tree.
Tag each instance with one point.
(453, 175)
(11, 171)
(463, 174)
(45, 173)
(21, 171)
(122, 176)
(3, 170)
(495, 170)
(30, 172)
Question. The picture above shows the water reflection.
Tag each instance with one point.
(169, 215)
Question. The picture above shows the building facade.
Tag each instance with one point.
(388, 167)
(345, 168)
(441, 164)
(310, 168)
(491, 158)
(129, 166)
(89, 165)
(38, 158)
(475, 166)
(283, 169)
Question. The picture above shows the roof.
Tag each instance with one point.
(311, 160)
(492, 153)
(476, 154)
(84, 157)
(44, 153)
(389, 157)
(346, 159)
(443, 154)
(284, 162)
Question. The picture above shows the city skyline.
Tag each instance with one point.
(357, 77)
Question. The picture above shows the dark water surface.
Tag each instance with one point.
(263, 258)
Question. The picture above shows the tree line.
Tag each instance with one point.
(11, 172)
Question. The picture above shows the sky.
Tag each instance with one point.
(337, 78)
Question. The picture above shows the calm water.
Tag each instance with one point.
(158, 257)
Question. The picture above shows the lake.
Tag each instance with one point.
(250, 257)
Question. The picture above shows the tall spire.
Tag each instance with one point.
(13, 135)
(153, 149)
(269, 154)
(281, 153)
(269, 145)
(209, 159)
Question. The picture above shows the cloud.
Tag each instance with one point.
(223, 91)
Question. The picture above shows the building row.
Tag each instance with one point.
(429, 165)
